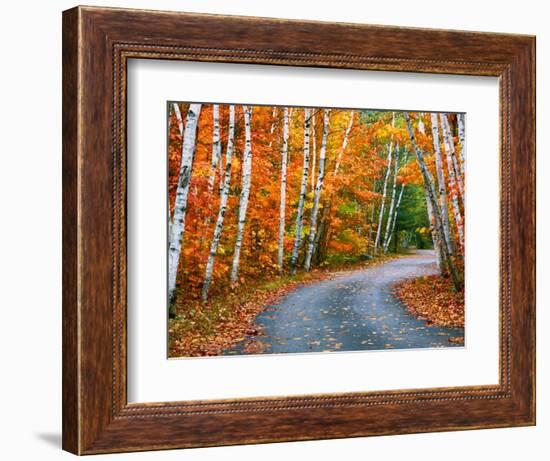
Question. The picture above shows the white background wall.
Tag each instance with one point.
(30, 230)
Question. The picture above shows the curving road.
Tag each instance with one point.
(352, 311)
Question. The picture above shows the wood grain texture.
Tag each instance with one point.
(70, 383)
(97, 43)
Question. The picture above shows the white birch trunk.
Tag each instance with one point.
(221, 173)
(441, 187)
(384, 189)
(448, 139)
(245, 192)
(394, 219)
(282, 204)
(216, 147)
(222, 208)
(453, 185)
(392, 201)
(318, 190)
(430, 189)
(461, 139)
(177, 229)
(344, 143)
(290, 121)
(303, 190)
(421, 126)
(435, 235)
(272, 129)
(179, 118)
(314, 152)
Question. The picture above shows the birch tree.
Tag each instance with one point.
(453, 186)
(328, 203)
(344, 143)
(303, 191)
(222, 208)
(436, 237)
(394, 219)
(441, 186)
(421, 126)
(282, 203)
(216, 147)
(177, 228)
(318, 190)
(245, 192)
(314, 152)
(272, 129)
(461, 139)
(384, 189)
(392, 200)
(430, 188)
(448, 139)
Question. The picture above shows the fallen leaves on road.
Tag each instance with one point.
(434, 299)
(457, 339)
(209, 329)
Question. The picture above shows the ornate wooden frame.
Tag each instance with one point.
(97, 43)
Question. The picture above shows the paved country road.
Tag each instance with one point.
(352, 311)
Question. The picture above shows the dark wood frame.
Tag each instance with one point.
(97, 43)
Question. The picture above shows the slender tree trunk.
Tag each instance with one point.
(221, 168)
(323, 222)
(436, 238)
(453, 187)
(245, 192)
(179, 117)
(371, 227)
(421, 126)
(302, 199)
(387, 235)
(318, 190)
(177, 229)
(441, 186)
(394, 219)
(222, 209)
(430, 188)
(216, 147)
(328, 203)
(384, 189)
(221, 173)
(448, 139)
(461, 139)
(314, 152)
(272, 129)
(344, 143)
(282, 205)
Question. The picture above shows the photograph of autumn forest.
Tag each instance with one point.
(298, 229)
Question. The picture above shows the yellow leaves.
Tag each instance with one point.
(235, 164)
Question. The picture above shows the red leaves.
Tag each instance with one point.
(433, 299)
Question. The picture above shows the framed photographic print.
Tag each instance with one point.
(282, 230)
